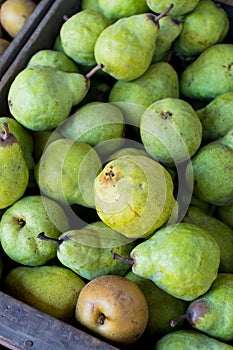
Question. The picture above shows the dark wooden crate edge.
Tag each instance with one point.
(19, 41)
(225, 2)
(23, 327)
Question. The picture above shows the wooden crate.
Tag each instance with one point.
(18, 42)
(23, 327)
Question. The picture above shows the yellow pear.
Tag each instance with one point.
(113, 307)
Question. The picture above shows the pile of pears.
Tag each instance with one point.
(116, 162)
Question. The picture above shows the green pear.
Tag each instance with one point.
(133, 97)
(212, 312)
(225, 214)
(182, 259)
(96, 123)
(24, 138)
(55, 59)
(40, 98)
(23, 221)
(159, 81)
(180, 7)
(57, 45)
(207, 24)
(170, 28)
(212, 171)
(162, 306)
(216, 116)
(209, 75)
(171, 131)
(90, 4)
(92, 246)
(66, 172)
(208, 208)
(116, 9)
(130, 200)
(188, 339)
(125, 50)
(128, 151)
(14, 175)
(79, 34)
(51, 289)
(220, 231)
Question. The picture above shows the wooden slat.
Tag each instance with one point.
(225, 2)
(18, 42)
(23, 328)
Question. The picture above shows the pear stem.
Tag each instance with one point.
(6, 138)
(164, 13)
(174, 322)
(5, 133)
(121, 258)
(43, 237)
(94, 70)
(101, 319)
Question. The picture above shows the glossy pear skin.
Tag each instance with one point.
(121, 60)
(51, 289)
(175, 258)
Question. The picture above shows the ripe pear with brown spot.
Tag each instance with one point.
(113, 307)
